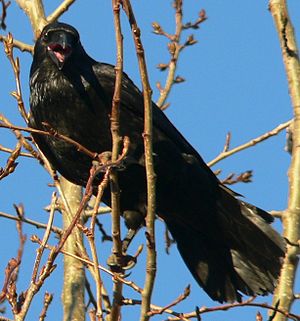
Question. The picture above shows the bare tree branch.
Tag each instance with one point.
(74, 270)
(15, 63)
(291, 216)
(151, 177)
(62, 8)
(34, 9)
(228, 152)
(19, 44)
(40, 250)
(30, 222)
(114, 184)
(47, 300)
(175, 47)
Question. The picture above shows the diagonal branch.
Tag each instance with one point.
(63, 7)
(228, 152)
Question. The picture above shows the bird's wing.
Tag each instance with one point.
(132, 98)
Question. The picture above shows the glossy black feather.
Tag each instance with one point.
(228, 245)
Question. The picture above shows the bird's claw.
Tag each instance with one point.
(119, 264)
(103, 162)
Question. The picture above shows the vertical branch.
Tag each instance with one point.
(291, 218)
(74, 274)
(177, 47)
(116, 141)
(151, 178)
(91, 238)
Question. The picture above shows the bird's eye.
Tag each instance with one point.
(45, 36)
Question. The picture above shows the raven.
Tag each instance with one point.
(227, 244)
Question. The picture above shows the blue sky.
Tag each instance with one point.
(235, 82)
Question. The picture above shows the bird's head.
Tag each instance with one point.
(58, 41)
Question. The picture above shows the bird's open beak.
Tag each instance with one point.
(59, 50)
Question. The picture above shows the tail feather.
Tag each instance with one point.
(254, 280)
(241, 254)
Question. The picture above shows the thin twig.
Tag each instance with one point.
(180, 298)
(11, 163)
(101, 210)
(5, 319)
(25, 143)
(90, 263)
(3, 15)
(91, 239)
(24, 47)
(9, 150)
(15, 63)
(47, 301)
(40, 250)
(54, 229)
(226, 307)
(55, 134)
(232, 178)
(251, 143)
(155, 307)
(90, 294)
(227, 142)
(277, 214)
(175, 48)
(12, 270)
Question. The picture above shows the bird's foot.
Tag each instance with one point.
(120, 263)
(104, 162)
(126, 261)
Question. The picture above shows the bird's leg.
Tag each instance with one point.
(131, 233)
(133, 221)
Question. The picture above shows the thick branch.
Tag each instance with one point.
(291, 218)
(34, 9)
(74, 274)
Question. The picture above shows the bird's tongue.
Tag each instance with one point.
(60, 52)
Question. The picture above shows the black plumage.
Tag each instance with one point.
(227, 244)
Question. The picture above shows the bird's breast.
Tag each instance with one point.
(74, 110)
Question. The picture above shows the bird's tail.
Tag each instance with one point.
(242, 253)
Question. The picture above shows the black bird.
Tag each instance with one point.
(227, 244)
